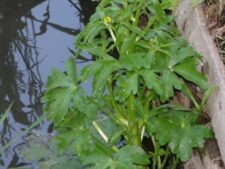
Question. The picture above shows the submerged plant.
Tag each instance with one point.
(129, 121)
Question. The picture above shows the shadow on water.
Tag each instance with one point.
(30, 34)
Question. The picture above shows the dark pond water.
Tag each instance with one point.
(35, 36)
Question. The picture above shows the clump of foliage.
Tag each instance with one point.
(140, 61)
(42, 153)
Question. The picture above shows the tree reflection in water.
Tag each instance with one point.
(20, 78)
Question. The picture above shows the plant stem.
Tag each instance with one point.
(112, 35)
(142, 133)
(175, 160)
(119, 116)
(154, 47)
(134, 135)
(101, 133)
(158, 158)
(165, 158)
(137, 15)
(111, 115)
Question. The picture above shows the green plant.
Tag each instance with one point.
(131, 91)
(41, 152)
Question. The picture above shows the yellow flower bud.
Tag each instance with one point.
(107, 19)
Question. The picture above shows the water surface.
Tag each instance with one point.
(35, 36)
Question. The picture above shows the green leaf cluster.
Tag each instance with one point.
(140, 63)
(182, 133)
(126, 158)
(41, 150)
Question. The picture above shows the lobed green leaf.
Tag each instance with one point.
(187, 69)
(179, 131)
(128, 157)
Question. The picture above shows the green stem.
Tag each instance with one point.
(137, 15)
(159, 162)
(174, 165)
(150, 23)
(119, 116)
(145, 115)
(154, 162)
(150, 96)
(142, 133)
(112, 35)
(134, 135)
(100, 132)
(165, 158)
(131, 113)
(154, 47)
(157, 158)
(111, 115)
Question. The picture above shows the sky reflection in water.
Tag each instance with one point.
(33, 40)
